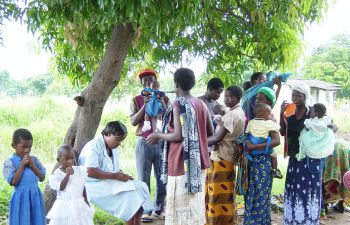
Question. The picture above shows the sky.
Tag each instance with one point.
(22, 58)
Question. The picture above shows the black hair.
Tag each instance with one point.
(320, 109)
(255, 76)
(21, 134)
(259, 107)
(115, 128)
(64, 148)
(215, 83)
(235, 91)
(218, 109)
(184, 78)
(246, 85)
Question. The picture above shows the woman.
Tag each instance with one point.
(220, 180)
(185, 153)
(257, 198)
(303, 189)
(107, 186)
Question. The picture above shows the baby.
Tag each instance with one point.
(317, 139)
(154, 108)
(218, 111)
(259, 129)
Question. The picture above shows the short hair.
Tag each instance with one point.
(116, 128)
(246, 85)
(21, 134)
(64, 148)
(215, 83)
(255, 76)
(218, 109)
(184, 78)
(320, 109)
(259, 107)
(235, 91)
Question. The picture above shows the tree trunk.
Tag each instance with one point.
(87, 117)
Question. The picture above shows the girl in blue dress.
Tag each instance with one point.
(23, 171)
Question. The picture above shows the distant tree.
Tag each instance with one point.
(331, 63)
(39, 84)
(4, 80)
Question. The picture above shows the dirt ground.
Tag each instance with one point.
(333, 218)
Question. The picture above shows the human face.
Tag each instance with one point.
(214, 94)
(113, 141)
(230, 100)
(147, 80)
(260, 79)
(155, 85)
(66, 159)
(313, 113)
(23, 147)
(261, 98)
(298, 98)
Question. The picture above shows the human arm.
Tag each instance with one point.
(175, 136)
(210, 127)
(282, 122)
(278, 82)
(275, 141)
(100, 174)
(85, 197)
(12, 175)
(64, 182)
(218, 136)
(37, 168)
(137, 116)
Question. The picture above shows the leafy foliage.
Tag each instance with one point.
(331, 63)
(232, 35)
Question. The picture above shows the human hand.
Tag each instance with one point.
(283, 106)
(277, 81)
(249, 146)
(122, 177)
(69, 171)
(26, 160)
(153, 138)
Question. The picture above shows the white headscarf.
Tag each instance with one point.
(302, 88)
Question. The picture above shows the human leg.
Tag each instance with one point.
(147, 123)
(275, 172)
(160, 186)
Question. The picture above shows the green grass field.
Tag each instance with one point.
(48, 118)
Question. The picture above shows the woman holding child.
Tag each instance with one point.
(220, 180)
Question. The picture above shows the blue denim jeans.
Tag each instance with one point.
(146, 156)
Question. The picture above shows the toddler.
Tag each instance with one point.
(23, 171)
(218, 111)
(71, 206)
(259, 129)
(317, 139)
(154, 108)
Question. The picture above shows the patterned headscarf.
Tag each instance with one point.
(269, 93)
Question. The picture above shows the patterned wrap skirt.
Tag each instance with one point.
(220, 196)
(257, 204)
(303, 191)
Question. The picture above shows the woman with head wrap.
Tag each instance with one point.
(303, 188)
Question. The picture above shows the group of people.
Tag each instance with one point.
(194, 154)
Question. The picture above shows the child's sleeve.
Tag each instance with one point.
(39, 166)
(273, 126)
(8, 170)
(55, 180)
(248, 128)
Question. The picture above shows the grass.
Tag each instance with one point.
(48, 118)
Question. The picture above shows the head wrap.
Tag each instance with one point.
(302, 88)
(147, 72)
(269, 93)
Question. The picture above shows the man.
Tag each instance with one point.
(214, 89)
(148, 154)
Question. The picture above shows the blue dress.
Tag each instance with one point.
(27, 204)
(121, 199)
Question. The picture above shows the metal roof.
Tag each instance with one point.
(314, 84)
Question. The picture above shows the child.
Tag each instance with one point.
(246, 85)
(154, 108)
(219, 111)
(259, 129)
(317, 139)
(23, 171)
(71, 206)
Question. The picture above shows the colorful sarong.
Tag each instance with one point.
(257, 200)
(220, 197)
(335, 167)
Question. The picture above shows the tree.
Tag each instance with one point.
(92, 38)
(331, 63)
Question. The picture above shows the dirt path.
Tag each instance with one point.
(277, 219)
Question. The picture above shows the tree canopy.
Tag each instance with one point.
(232, 35)
(331, 63)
